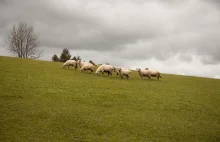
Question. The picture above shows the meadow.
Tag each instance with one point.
(40, 101)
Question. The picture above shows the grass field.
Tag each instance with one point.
(40, 101)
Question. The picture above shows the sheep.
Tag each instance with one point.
(148, 73)
(90, 61)
(124, 72)
(81, 63)
(88, 66)
(105, 68)
(143, 73)
(154, 73)
(117, 72)
(70, 63)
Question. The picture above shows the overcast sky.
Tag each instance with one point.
(172, 36)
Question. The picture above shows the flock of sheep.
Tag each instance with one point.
(86, 66)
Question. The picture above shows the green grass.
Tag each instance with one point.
(40, 101)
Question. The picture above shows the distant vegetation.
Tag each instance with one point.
(64, 56)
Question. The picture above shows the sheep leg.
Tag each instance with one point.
(110, 73)
(127, 76)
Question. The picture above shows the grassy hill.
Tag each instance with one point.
(40, 101)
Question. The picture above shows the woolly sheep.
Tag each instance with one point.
(124, 72)
(81, 63)
(148, 73)
(70, 63)
(117, 72)
(154, 73)
(88, 66)
(105, 68)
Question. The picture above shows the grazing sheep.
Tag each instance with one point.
(148, 73)
(117, 72)
(81, 63)
(143, 73)
(105, 68)
(70, 63)
(90, 61)
(154, 73)
(124, 72)
(88, 66)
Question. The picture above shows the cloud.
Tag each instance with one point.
(123, 31)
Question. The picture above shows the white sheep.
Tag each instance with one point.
(148, 73)
(70, 63)
(117, 71)
(87, 66)
(81, 63)
(105, 68)
(124, 72)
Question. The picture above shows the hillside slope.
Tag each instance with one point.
(40, 101)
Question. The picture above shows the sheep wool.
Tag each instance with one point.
(87, 66)
(148, 73)
(105, 68)
(70, 63)
(124, 72)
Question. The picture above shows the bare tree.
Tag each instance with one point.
(23, 41)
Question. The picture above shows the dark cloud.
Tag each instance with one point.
(215, 3)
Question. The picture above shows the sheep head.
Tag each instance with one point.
(119, 69)
(114, 69)
(90, 61)
(138, 69)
